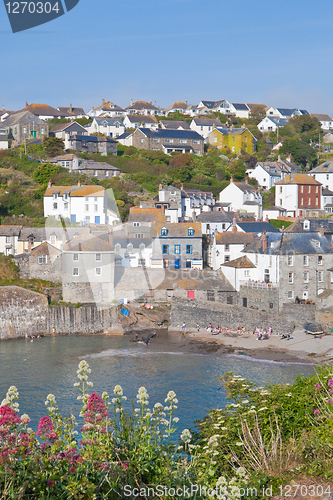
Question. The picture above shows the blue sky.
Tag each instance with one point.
(279, 53)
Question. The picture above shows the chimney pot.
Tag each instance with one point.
(264, 243)
(160, 187)
(26, 104)
(103, 102)
(49, 184)
(70, 108)
(79, 184)
(247, 179)
(151, 102)
(131, 102)
(231, 179)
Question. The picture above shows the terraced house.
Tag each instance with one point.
(235, 140)
(169, 141)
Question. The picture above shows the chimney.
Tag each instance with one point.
(321, 230)
(289, 158)
(150, 102)
(162, 209)
(131, 102)
(267, 219)
(234, 226)
(279, 157)
(49, 184)
(29, 245)
(160, 187)
(247, 179)
(79, 184)
(182, 188)
(194, 216)
(231, 179)
(110, 238)
(264, 242)
(70, 108)
(26, 104)
(103, 102)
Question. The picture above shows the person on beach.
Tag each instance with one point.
(183, 326)
(53, 331)
(270, 331)
(198, 327)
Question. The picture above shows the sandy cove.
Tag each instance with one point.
(302, 348)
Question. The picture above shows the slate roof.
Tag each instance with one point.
(257, 227)
(218, 216)
(10, 230)
(24, 117)
(211, 104)
(291, 243)
(63, 126)
(246, 188)
(233, 131)
(209, 122)
(325, 168)
(286, 111)
(321, 117)
(142, 105)
(281, 122)
(141, 119)
(71, 111)
(315, 225)
(298, 179)
(174, 124)
(178, 230)
(45, 249)
(252, 105)
(240, 106)
(38, 233)
(277, 209)
(109, 121)
(235, 238)
(240, 263)
(43, 233)
(97, 165)
(176, 134)
(250, 202)
(91, 138)
(326, 192)
(87, 243)
(124, 135)
(75, 191)
(67, 157)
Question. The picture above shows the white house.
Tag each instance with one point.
(69, 161)
(285, 112)
(204, 126)
(327, 199)
(8, 239)
(270, 124)
(265, 175)
(324, 174)
(111, 127)
(65, 131)
(214, 221)
(126, 139)
(298, 193)
(228, 246)
(137, 121)
(84, 204)
(325, 120)
(274, 212)
(243, 198)
(107, 109)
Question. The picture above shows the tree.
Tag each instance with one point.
(257, 114)
(53, 146)
(44, 172)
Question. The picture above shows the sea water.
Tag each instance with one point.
(49, 365)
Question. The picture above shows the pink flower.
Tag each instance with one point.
(330, 382)
(72, 470)
(316, 412)
(51, 483)
(45, 425)
(317, 386)
(124, 465)
(95, 403)
(8, 416)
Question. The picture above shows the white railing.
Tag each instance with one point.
(258, 284)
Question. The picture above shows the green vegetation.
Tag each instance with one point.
(279, 224)
(265, 437)
(9, 276)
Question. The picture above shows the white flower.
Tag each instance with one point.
(289, 394)
(118, 390)
(245, 401)
(124, 398)
(175, 419)
(77, 384)
(186, 436)
(90, 384)
(239, 443)
(170, 396)
(263, 408)
(25, 419)
(114, 400)
(157, 406)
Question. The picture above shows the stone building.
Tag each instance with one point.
(97, 169)
(169, 141)
(43, 262)
(25, 126)
(92, 144)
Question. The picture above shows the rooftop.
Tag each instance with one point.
(74, 191)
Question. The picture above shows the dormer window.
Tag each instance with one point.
(117, 248)
(53, 239)
(130, 248)
(164, 231)
(142, 246)
(190, 232)
(55, 196)
(306, 225)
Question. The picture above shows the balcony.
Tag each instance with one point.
(258, 284)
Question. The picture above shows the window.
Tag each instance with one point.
(183, 141)
(256, 259)
(117, 247)
(98, 271)
(188, 264)
(302, 189)
(106, 173)
(177, 249)
(290, 294)
(305, 295)
(246, 273)
(309, 201)
(190, 294)
(227, 248)
(309, 189)
(65, 206)
(86, 207)
(53, 239)
(190, 232)
(164, 231)
(139, 235)
(95, 208)
(86, 198)
(95, 199)
(98, 257)
(130, 248)
(317, 189)
(306, 225)
(167, 218)
(168, 140)
(233, 149)
(42, 259)
(8, 239)
(211, 295)
(136, 224)
(73, 218)
(215, 139)
(156, 140)
(142, 140)
(230, 299)
(305, 260)
(87, 218)
(280, 189)
(24, 130)
(118, 262)
(95, 173)
(233, 139)
(306, 277)
(316, 201)
(141, 262)
(227, 258)
(270, 261)
(320, 260)
(165, 249)
(142, 247)
(188, 249)
(280, 202)
(75, 271)
(290, 277)
(196, 142)
(55, 206)
(320, 276)
(75, 256)
(290, 260)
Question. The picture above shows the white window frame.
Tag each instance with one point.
(98, 271)
(98, 257)
(291, 278)
(290, 260)
(75, 271)
(75, 257)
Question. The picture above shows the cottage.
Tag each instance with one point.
(324, 174)
(64, 131)
(107, 109)
(243, 197)
(97, 169)
(43, 262)
(299, 194)
(43, 111)
(227, 246)
(169, 141)
(214, 221)
(204, 125)
(92, 144)
(137, 121)
(24, 126)
(143, 108)
(111, 127)
(325, 120)
(9, 239)
(72, 112)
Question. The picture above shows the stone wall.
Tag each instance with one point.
(22, 313)
(263, 299)
(299, 313)
(193, 312)
(85, 319)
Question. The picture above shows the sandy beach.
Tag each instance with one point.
(302, 348)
